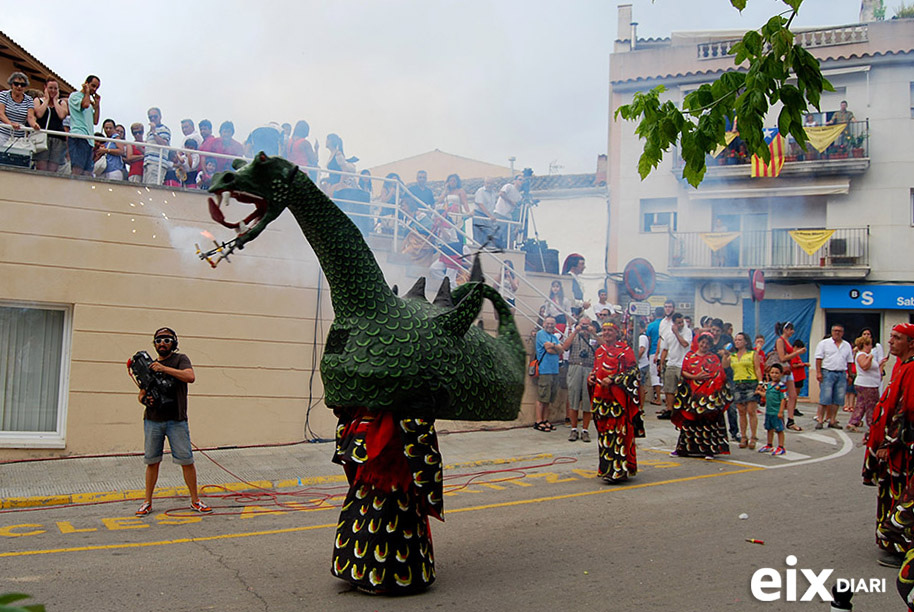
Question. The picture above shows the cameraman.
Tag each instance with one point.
(167, 417)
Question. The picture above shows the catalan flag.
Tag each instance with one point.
(776, 145)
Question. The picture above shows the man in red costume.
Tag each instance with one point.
(889, 462)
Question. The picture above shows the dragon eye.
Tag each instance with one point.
(336, 341)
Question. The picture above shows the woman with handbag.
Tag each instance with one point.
(50, 111)
(16, 109)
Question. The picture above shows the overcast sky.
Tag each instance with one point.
(394, 78)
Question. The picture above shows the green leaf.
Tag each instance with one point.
(6, 598)
(738, 4)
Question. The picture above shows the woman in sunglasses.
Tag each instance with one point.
(16, 108)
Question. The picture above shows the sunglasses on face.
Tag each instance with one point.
(18, 84)
(164, 340)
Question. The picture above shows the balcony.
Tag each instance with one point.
(849, 154)
(843, 254)
(809, 39)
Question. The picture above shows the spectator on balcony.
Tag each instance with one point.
(365, 182)
(135, 154)
(509, 198)
(205, 178)
(84, 106)
(224, 145)
(266, 138)
(187, 128)
(50, 111)
(557, 305)
(16, 108)
(285, 140)
(421, 190)
(810, 121)
(386, 204)
(155, 159)
(574, 266)
(484, 226)
(452, 207)
(114, 153)
(339, 164)
(301, 152)
(842, 116)
(187, 165)
(206, 133)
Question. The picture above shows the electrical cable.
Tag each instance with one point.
(319, 497)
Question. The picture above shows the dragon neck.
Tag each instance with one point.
(357, 284)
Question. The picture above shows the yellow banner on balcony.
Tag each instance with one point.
(822, 137)
(811, 240)
(718, 240)
(728, 138)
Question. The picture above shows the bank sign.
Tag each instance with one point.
(867, 297)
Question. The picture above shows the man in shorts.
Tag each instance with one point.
(675, 343)
(548, 350)
(167, 418)
(84, 116)
(832, 355)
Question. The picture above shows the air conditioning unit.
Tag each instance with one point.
(714, 291)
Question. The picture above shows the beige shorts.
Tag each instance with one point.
(547, 387)
(672, 376)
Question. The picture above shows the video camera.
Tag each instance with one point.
(160, 388)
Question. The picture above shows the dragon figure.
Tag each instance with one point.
(390, 367)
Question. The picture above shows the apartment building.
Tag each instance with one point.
(832, 233)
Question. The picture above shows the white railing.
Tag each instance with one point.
(809, 39)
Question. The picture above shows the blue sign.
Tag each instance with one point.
(867, 297)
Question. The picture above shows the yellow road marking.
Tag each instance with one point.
(509, 504)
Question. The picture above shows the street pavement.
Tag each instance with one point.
(528, 526)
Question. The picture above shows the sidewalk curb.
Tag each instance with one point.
(105, 497)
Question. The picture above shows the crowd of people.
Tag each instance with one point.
(440, 222)
(80, 114)
(715, 385)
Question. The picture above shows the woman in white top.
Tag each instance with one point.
(866, 382)
(452, 206)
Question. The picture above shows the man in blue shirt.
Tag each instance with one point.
(548, 349)
(653, 336)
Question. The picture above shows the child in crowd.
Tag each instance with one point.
(774, 397)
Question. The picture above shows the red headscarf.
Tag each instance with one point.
(566, 265)
(906, 329)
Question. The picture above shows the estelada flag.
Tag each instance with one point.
(776, 146)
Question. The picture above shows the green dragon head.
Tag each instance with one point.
(265, 182)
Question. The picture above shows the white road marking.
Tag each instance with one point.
(819, 438)
(793, 459)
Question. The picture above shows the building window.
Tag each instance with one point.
(34, 358)
(658, 215)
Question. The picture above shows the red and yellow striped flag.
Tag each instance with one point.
(776, 146)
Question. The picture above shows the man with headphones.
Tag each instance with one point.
(167, 418)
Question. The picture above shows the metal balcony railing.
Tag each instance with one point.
(773, 249)
(374, 217)
(853, 142)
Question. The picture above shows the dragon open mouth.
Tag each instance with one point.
(241, 227)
